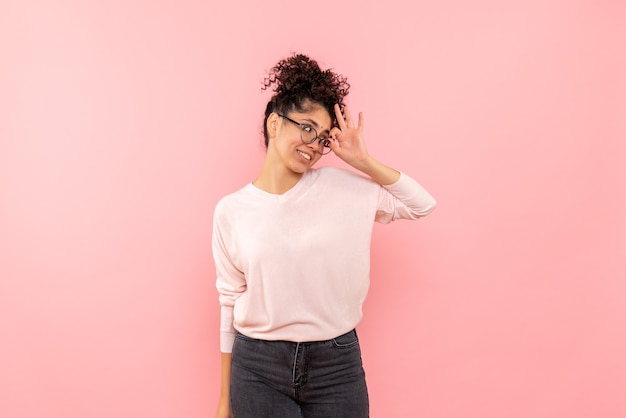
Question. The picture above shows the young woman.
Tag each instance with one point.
(292, 254)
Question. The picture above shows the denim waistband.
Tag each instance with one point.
(350, 333)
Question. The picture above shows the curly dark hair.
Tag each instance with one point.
(299, 84)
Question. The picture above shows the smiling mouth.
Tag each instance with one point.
(307, 156)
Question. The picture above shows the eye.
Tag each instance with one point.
(306, 128)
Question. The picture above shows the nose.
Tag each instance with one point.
(317, 145)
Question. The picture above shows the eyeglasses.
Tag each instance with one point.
(308, 135)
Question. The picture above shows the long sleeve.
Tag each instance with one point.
(230, 283)
(404, 199)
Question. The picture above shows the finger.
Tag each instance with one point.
(348, 117)
(334, 133)
(333, 144)
(361, 121)
(340, 120)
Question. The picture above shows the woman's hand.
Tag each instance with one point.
(347, 141)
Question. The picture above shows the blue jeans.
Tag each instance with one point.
(282, 379)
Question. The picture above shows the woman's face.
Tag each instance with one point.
(287, 148)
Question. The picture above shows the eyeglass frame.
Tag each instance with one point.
(303, 126)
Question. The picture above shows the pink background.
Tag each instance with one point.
(122, 123)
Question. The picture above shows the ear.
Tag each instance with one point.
(273, 124)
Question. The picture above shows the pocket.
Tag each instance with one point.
(246, 351)
(346, 340)
(242, 346)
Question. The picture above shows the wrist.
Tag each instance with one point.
(364, 164)
(379, 172)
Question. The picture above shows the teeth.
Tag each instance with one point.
(307, 156)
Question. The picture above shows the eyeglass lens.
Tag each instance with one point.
(309, 134)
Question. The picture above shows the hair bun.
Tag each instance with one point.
(298, 81)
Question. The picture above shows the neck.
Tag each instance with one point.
(276, 180)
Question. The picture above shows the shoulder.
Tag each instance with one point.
(233, 200)
(330, 172)
(345, 178)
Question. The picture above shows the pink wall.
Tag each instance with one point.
(122, 125)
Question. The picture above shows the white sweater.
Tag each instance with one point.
(295, 266)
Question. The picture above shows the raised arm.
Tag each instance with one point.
(348, 143)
